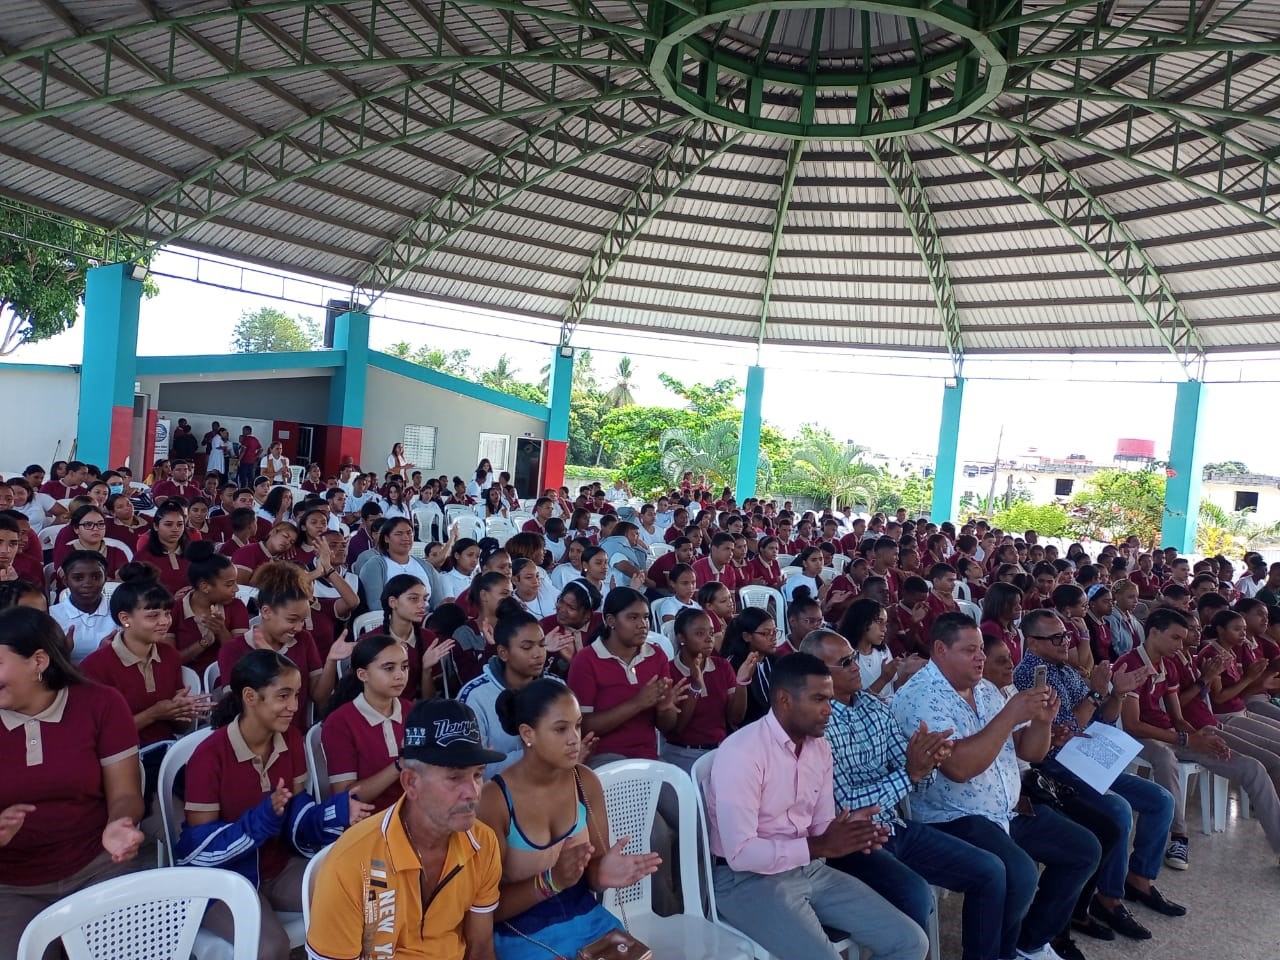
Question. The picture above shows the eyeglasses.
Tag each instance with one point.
(847, 662)
(1057, 639)
(92, 525)
(767, 634)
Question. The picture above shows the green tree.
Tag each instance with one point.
(619, 394)
(501, 376)
(709, 450)
(825, 469)
(268, 330)
(1229, 532)
(1226, 466)
(704, 400)
(633, 435)
(44, 260)
(1048, 520)
(456, 363)
(1120, 503)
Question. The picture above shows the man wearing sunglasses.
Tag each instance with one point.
(877, 765)
(1081, 701)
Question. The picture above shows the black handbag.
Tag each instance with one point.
(1039, 787)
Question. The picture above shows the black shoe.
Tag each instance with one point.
(1092, 928)
(1066, 948)
(1154, 900)
(1120, 920)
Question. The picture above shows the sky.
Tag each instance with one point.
(889, 403)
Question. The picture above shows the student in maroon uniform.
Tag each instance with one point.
(941, 598)
(404, 608)
(1095, 618)
(279, 545)
(715, 567)
(166, 545)
(246, 803)
(211, 614)
(660, 570)
(753, 634)
(90, 527)
(763, 569)
(363, 729)
(576, 619)
(177, 485)
(70, 484)
(284, 603)
(1001, 610)
(623, 683)
(717, 700)
(123, 522)
(71, 796)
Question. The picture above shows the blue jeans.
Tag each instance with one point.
(1128, 795)
(918, 855)
(1070, 855)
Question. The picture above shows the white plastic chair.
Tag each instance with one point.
(49, 535)
(761, 596)
(785, 560)
(631, 789)
(153, 913)
(971, 609)
(296, 473)
(366, 622)
(431, 523)
(500, 528)
(518, 518)
(789, 572)
(1208, 784)
(317, 765)
(121, 546)
(192, 681)
(108, 589)
(455, 512)
(664, 641)
(838, 562)
(701, 776)
(245, 593)
(657, 550)
(207, 945)
(418, 549)
(212, 674)
(309, 884)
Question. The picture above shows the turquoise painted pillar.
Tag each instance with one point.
(749, 436)
(945, 501)
(346, 393)
(104, 424)
(1186, 466)
(560, 395)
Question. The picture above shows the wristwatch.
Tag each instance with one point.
(1096, 697)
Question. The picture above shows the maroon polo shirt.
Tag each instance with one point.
(601, 682)
(302, 651)
(359, 742)
(708, 726)
(187, 631)
(143, 682)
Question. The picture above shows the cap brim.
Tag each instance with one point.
(456, 757)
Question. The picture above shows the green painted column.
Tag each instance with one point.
(749, 436)
(1186, 467)
(945, 501)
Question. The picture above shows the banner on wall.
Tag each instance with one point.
(161, 449)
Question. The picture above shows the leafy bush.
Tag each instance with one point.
(1048, 520)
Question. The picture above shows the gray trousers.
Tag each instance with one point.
(785, 913)
(1254, 736)
(1263, 707)
(281, 892)
(19, 905)
(1244, 770)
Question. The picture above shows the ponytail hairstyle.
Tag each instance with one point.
(255, 671)
(483, 584)
(400, 583)
(735, 632)
(280, 582)
(1066, 595)
(617, 600)
(138, 590)
(205, 562)
(707, 592)
(351, 686)
(26, 631)
(170, 507)
(512, 618)
(526, 706)
(492, 553)
(678, 571)
(585, 593)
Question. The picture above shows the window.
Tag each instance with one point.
(1062, 487)
(1246, 500)
(420, 446)
(493, 447)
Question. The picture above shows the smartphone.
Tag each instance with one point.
(1042, 676)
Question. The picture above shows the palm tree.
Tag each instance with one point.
(711, 451)
(584, 376)
(837, 471)
(501, 376)
(620, 395)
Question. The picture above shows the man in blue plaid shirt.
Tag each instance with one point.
(877, 765)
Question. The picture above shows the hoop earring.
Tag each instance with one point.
(39, 676)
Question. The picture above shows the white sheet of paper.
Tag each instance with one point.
(1101, 756)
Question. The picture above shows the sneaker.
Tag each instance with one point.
(1175, 855)
(1043, 953)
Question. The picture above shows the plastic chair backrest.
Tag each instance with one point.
(455, 512)
(664, 641)
(245, 593)
(839, 562)
(309, 883)
(789, 572)
(668, 630)
(761, 596)
(171, 812)
(192, 680)
(49, 535)
(296, 473)
(701, 776)
(317, 765)
(631, 789)
(121, 546)
(657, 550)
(785, 560)
(971, 609)
(500, 528)
(148, 915)
(418, 549)
(212, 674)
(366, 622)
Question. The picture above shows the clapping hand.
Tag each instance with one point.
(674, 695)
(121, 838)
(927, 750)
(571, 864)
(619, 870)
(342, 647)
(748, 669)
(280, 798)
(559, 640)
(437, 651)
(1124, 680)
(11, 820)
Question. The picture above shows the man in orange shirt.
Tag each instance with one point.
(422, 879)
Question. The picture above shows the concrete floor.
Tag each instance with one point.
(1230, 894)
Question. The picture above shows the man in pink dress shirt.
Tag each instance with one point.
(771, 806)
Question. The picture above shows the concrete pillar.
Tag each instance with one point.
(749, 436)
(346, 393)
(1186, 466)
(104, 425)
(945, 499)
(560, 393)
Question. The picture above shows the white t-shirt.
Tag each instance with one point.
(37, 510)
(454, 583)
(795, 580)
(564, 574)
(671, 607)
(651, 538)
(90, 628)
(614, 495)
(870, 664)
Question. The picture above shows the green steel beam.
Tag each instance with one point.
(1065, 198)
(899, 172)
(785, 190)
(504, 176)
(700, 144)
(347, 131)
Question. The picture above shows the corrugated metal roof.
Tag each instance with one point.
(347, 141)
